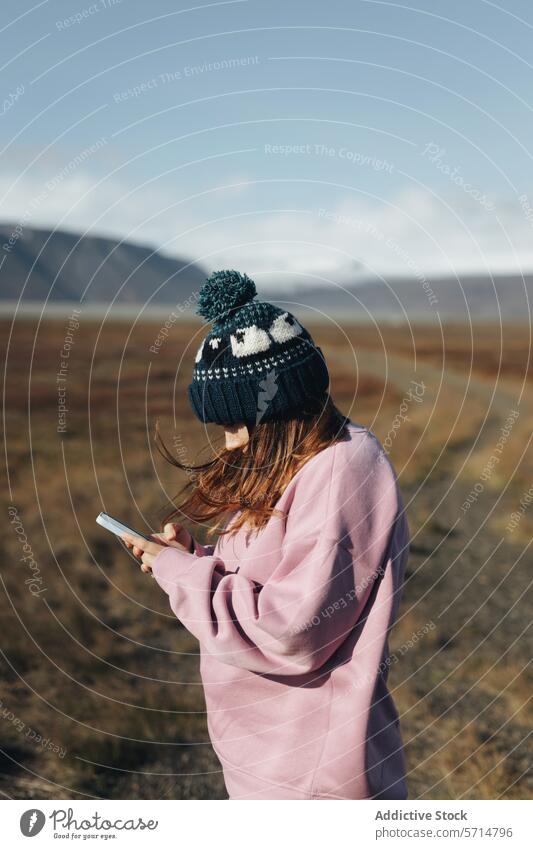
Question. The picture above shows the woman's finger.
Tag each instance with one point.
(171, 530)
(152, 547)
(180, 540)
(174, 532)
(160, 538)
(147, 560)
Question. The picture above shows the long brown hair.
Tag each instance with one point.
(251, 479)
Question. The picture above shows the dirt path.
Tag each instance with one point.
(463, 690)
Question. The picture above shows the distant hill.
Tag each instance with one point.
(63, 265)
(470, 297)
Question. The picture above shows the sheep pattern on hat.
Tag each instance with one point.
(252, 341)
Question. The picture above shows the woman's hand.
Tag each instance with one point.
(174, 535)
(147, 550)
(174, 532)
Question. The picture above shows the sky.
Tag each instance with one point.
(296, 141)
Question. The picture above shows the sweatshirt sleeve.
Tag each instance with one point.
(319, 583)
(288, 626)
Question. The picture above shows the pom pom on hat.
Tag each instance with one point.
(224, 291)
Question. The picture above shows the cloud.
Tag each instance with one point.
(412, 231)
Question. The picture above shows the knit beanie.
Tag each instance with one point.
(257, 363)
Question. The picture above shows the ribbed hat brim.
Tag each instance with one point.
(298, 388)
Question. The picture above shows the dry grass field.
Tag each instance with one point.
(100, 692)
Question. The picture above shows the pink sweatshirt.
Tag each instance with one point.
(292, 623)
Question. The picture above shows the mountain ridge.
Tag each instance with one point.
(62, 266)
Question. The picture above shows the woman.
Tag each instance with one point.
(293, 604)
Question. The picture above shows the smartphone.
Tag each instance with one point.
(116, 527)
